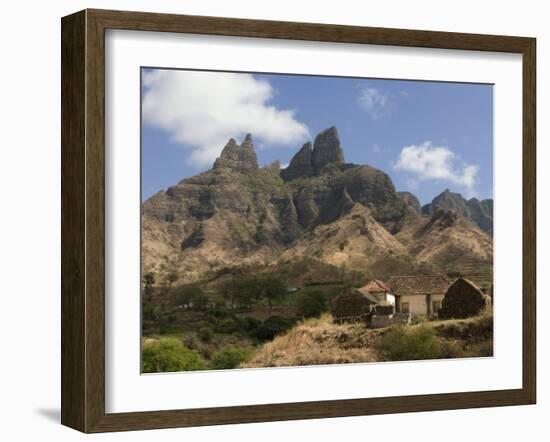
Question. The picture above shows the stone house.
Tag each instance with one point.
(463, 300)
(352, 305)
(419, 295)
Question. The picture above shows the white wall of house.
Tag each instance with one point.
(384, 298)
(417, 303)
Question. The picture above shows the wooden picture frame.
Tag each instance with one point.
(83, 220)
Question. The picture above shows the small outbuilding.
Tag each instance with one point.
(463, 299)
(353, 305)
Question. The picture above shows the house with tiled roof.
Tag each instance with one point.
(379, 291)
(361, 303)
(419, 295)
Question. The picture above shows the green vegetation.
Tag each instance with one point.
(271, 327)
(169, 354)
(205, 334)
(471, 337)
(312, 304)
(229, 357)
(400, 344)
(251, 318)
(188, 295)
(148, 281)
(173, 354)
(273, 288)
(418, 319)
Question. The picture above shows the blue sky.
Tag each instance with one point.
(428, 136)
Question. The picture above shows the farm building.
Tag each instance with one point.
(352, 305)
(419, 295)
(463, 300)
(380, 291)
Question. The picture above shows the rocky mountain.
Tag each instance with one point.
(320, 207)
(479, 212)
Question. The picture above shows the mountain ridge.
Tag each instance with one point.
(320, 207)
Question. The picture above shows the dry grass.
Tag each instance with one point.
(318, 341)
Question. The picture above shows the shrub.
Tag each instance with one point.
(169, 354)
(205, 334)
(191, 341)
(418, 319)
(186, 294)
(230, 356)
(251, 324)
(405, 345)
(481, 349)
(312, 304)
(271, 327)
(227, 326)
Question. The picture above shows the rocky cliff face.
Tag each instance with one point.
(479, 212)
(327, 149)
(410, 200)
(309, 161)
(239, 158)
(319, 207)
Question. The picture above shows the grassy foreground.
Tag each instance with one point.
(320, 341)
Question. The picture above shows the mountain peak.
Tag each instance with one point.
(240, 158)
(479, 212)
(327, 148)
(312, 158)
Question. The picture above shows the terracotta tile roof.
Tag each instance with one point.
(418, 284)
(375, 286)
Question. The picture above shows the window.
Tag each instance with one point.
(405, 307)
(436, 307)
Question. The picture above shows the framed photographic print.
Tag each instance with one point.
(270, 220)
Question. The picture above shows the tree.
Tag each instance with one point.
(271, 327)
(312, 304)
(200, 301)
(273, 288)
(246, 290)
(148, 281)
(228, 291)
(241, 290)
(186, 294)
(169, 354)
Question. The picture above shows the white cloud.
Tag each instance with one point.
(373, 102)
(205, 109)
(428, 162)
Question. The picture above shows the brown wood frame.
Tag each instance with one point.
(83, 216)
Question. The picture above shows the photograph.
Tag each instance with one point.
(304, 220)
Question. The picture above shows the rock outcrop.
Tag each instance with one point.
(479, 212)
(319, 208)
(327, 149)
(410, 200)
(300, 165)
(307, 162)
(239, 158)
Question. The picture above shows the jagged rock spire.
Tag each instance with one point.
(327, 149)
(239, 158)
(308, 159)
(300, 165)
